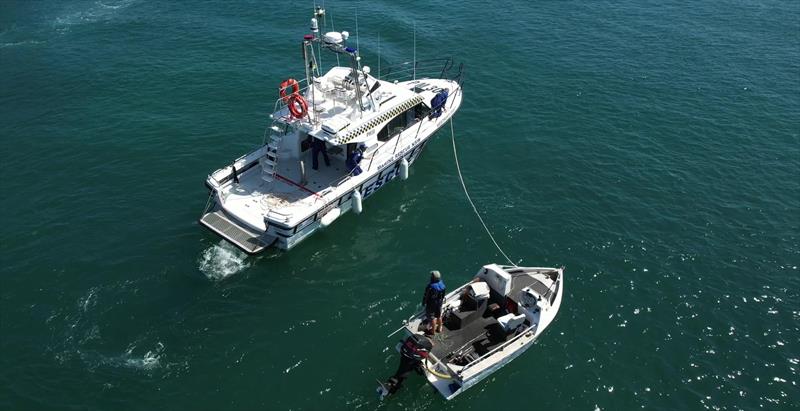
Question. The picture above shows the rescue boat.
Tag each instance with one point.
(365, 130)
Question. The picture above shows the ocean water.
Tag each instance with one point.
(651, 147)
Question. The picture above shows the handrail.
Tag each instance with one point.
(385, 143)
(280, 104)
(435, 68)
(505, 344)
(496, 349)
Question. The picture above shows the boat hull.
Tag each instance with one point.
(289, 237)
(286, 237)
(501, 357)
(279, 233)
(474, 380)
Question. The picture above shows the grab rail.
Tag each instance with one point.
(496, 349)
(280, 104)
(430, 68)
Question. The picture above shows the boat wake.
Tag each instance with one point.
(221, 261)
(149, 361)
(81, 337)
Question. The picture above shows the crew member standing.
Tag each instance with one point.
(432, 300)
(354, 159)
(318, 146)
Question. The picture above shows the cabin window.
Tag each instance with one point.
(421, 111)
(402, 121)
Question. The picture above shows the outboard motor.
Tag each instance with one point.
(413, 351)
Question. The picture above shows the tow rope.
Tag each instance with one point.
(466, 193)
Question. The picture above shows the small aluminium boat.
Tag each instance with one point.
(487, 323)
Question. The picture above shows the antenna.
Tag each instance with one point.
(415, 50)
(333, 27)
(379, 55)
(357, 47)
(319, 17)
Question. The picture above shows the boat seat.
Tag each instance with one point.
(497, 279)
(510, 322)
(495, 334)
(468, 310)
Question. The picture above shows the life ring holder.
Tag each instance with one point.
(297, 105)
(290, 82)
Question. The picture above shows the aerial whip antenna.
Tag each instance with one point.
(333, 27)
(357, 47)
(379, 55)
(415, 50)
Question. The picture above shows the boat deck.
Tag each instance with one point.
(471, 337)
(537, 281)
(255, 196)
(479, 332)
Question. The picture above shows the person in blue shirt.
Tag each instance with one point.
(433, 300)
(354, 159)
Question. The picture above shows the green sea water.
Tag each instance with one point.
(650, 147)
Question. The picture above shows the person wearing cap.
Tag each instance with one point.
(432, 300)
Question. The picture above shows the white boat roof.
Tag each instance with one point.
(334, 114)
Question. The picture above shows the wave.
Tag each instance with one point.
(98, 11)
(93, 359)
(222, 260)
(20, 43)
(149, 361)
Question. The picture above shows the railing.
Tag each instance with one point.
(505, 344)
(437, 68)
(442, 68)
(496, 349)
(432, 68)
(280, 104)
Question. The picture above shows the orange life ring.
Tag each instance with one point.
(285, 85)
(297, 106)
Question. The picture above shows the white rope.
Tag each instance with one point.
(466, 193)
(208, 203)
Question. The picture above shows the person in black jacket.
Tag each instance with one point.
(433, 300)
(318, 146)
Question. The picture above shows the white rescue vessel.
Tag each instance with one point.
(335, 139)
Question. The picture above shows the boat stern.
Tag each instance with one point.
(243, 237)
